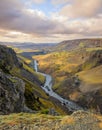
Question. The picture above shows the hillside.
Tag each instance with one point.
(69, 45)
(23, 85)
(76, 73)
(76, 77)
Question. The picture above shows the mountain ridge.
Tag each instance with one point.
(69, 45)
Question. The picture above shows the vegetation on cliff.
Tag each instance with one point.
(34, 97)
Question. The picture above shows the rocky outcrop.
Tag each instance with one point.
(11, 88)
(11, 94)
(94, 59)
(18, 84)
(8, 59)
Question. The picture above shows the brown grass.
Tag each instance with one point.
(67, 120)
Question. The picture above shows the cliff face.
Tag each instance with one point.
(8, 59)
(14, 88)
(19, 85)
(11, 94)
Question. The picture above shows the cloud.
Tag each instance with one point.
(38, 1)
(93, 27)
(57, 2)
(16, 17)
(82, 8)
(20, 23)
(9, 11)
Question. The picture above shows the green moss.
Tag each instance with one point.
(89, 65)
(39, 76)
(82, 45)
(92, 76)
(44, 111)
(93, 49)
(13, 80)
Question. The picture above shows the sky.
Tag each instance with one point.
(49, 21)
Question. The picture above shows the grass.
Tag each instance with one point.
(26, 66)
(59, 64)
(93, 49)
(32, 88)
(68, 120)
(24, 118)
(93, 76)
(78, 120)
(39, 76)
(17, 50)
(26, 60)
(62, 66)
(13, 80)
(29, 84)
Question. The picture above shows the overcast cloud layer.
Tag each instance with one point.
(26, 20)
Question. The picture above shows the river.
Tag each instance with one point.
(47, 87)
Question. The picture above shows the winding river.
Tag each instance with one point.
(48, 89)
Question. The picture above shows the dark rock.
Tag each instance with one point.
(8, 59)
(11, 94)
(53, 112)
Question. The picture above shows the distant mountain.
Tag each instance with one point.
(74, 44)
(29, 45)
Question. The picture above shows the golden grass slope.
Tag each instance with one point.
(91, 80)
(79, 120)
(93, 75)
(31, 88)
(60, 64)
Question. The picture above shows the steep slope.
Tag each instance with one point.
(14, 74)
(87, 88)
(91, 81)
(8, 59)
(12, 95)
